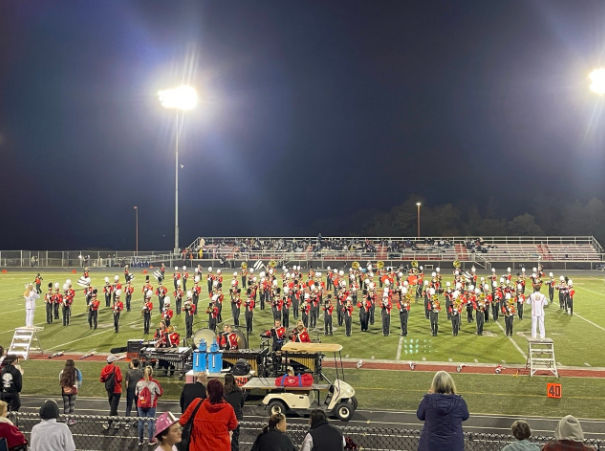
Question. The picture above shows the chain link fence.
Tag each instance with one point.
(90, 435)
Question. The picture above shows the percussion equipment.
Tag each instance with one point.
(178, 357)
(206, 334)
(254, 357)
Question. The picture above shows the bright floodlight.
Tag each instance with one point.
(181, 98)
(418, 204)
(597, 77)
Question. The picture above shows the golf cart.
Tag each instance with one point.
(334, 397)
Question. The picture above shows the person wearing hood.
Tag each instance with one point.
(443, 412)
(14, 437)
(569, 436)
(322, 435)
(213, 422)
(522, 433)
(48, 435)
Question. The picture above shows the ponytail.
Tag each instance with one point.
(148, 373)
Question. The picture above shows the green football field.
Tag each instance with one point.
(578, 339)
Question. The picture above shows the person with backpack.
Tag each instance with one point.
(147, 392)
(111, 376)
(70, 379)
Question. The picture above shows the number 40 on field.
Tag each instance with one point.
(553, 390)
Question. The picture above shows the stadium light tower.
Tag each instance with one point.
(181, 99)
(597, 78)
(418, 204)
(136, 230)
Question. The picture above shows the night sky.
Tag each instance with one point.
(310, 111)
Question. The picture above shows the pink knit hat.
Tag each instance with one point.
(164, 421)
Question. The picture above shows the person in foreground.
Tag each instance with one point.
(522, 433)
(273, 437)
(168, 432)
(14, 437)
(48, 435)
(443, 412)
(213, 422)
(569, 436)
(322, 435)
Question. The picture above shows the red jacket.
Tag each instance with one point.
(14, 437)
(211, 426)
(108, 369)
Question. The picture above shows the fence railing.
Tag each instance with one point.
(89, 434)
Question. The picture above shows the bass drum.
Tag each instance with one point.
(242, 343)
(203, 334)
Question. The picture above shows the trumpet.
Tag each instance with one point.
(456, 264)
(414, 264)
(380, 265)
(272, 264)
(355, 265)
(244, 266)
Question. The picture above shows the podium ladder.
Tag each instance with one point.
(541, 356)
(25, 340)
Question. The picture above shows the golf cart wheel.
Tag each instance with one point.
(344, 411)
(276, 407)
(355, 402)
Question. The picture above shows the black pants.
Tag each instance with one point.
(570, 305)
(403, 319)
(92, 318)
(469, 313)
(179, 304)
(66, 313)
(426, 308)
(480, 322)
(295, 307)
(128, 300)
(114, 400)
(209, 287)
(372, 310)
(285, 317)
(339, 314)
(551, 293)
(116, 321)
(276, 314)
(561, 300)
(434, 317)
(49, 313)
(38, 289)
(13, 400)
(189, 325)
(508, 319)
(235, 313)
(107, 299)
(219, 318)
(386, 323)
(313, 318)
(328, 329)
(364, 318)
(305, 319)
(248, 317)
(348, 324)
(56, 310)
(486, 312)
(196, 299)
(495, 310)
(146, 322)
(235, 438)
(212, 324)
(520, 310)
(455, 324)
(161, 303)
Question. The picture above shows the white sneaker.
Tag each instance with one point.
(127, 426)
(105, 426)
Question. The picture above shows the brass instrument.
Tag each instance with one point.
(456, 264)
(414, 264)
(272, 264)
(380, 264)
(355, 265)
(244, 266)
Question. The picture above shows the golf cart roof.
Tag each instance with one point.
(311, 347)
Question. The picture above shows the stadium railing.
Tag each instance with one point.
(89, 435)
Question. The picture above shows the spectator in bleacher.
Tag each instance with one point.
(14, 437)
(48, 435)
(522, 433)
(569, 436)
(443, 412)
(273, 436)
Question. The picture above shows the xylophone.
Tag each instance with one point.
(177, 357)
(254, 357)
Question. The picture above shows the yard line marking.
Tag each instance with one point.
(593, 291)
(587, 364)
(476, 361)
(588, 321)
(399, 349)
(512, 341)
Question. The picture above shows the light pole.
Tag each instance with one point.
(418, 204)
(136, 228)
(180, 99)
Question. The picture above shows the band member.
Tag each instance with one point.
(348, 314)
(160, 337)
(244, 275)
(276, 304)
(128, 290)
(38, 281)
(434, 309)
(228, 339)
(212, 312)
(328, 308)
(176, 277)
(404, 310)
(305, 308)
(107, 289)
(295, 297)
(537, 301)
(219, 278)
(189, 310)
(210, 280)
(301, 335)
(570, 296)
(115, 286)
(551, 287)
(118, 306)
(66, 305)
(93, 310)
(57, 301)
(471, 304)
(563, 292)
(147, 286)
(285, 310)
(498, 296)
(161, 291)
(167, 312)
(197, 291)
(372, 298)
(481, 309)
(520, 301)
(126, 273)
(265, 287)
(218, 297)
(178, 297)
(236, 304)
(88, 293)
(249, 310)
(147, 308)
(509, 314)
(48, 302)
(386, 315)
(184, 278)
(278, 333)
(173, 340)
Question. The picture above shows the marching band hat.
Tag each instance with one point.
(50, 285)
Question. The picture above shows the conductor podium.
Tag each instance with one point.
(541, 356)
